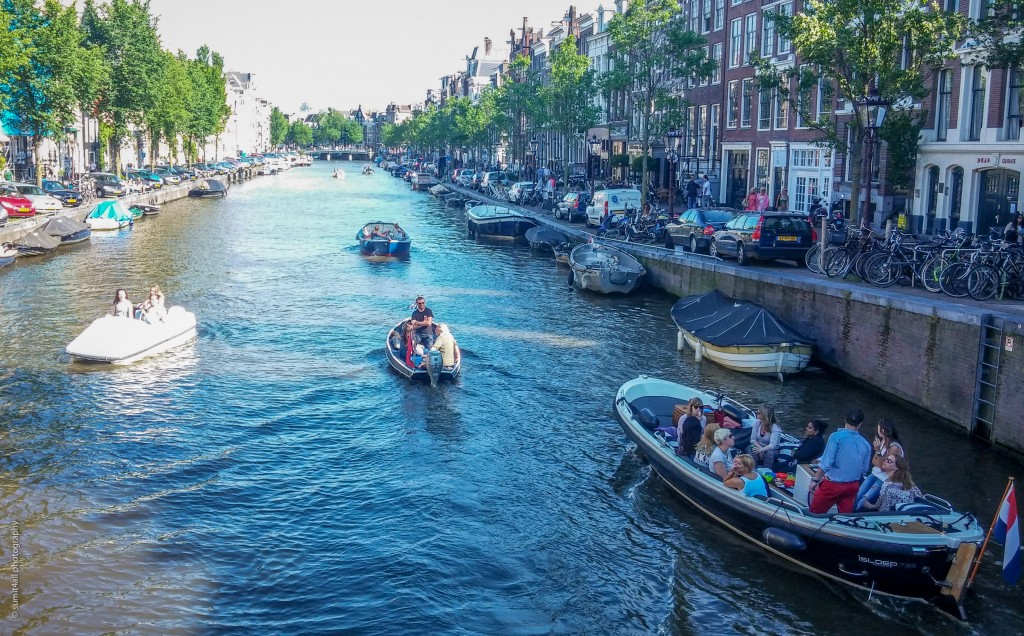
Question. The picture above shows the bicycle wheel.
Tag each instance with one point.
(813, 259)
(838, 263)
(931, 273)
(612, 234)
(983, 282)
(954, 279)
(883, 270)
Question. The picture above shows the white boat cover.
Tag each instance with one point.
(114, 340)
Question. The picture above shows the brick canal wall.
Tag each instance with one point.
(923, 351)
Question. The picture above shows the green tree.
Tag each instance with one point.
(856, 46)
(278, 126)
(300, 135)
(42, 92)
(169, 116)
(13, 53)
(518, 107)
(351, 132)
(569, 97)
(208, 110)
(1000, 35)
(651, 50)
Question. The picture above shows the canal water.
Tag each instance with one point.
(276, 477)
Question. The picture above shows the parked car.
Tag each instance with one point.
(466, 178)
(41, 200)
(151, 179)
(696, 226)
(495, 177)
(169, 177)
(573, 206)
(517, 189)
(765, 236)
(108, 185)
(14, 203)
(70, 197)
(614, 201)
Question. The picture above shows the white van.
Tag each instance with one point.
(614, 201)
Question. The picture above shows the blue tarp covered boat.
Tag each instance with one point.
(381, 238)
(109, 215)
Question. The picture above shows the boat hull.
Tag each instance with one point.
(106, 225)
(497, 223)
(431, 376)
(756, 359)
(76, 237)
(888, 553)
(376, 247)
(110, 340)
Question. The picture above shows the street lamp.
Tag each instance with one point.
(534, 144)
(871, 110)
(595, 152)
(671, 138)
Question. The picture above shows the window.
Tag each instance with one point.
(695, 16)
(1015, 93)
(746, 101)
(804, 112)
(977, 103)
(751, 48)
(907, 54)
(768, 34)
(761, 168)
(719, 14)
(702, 146)
(764, 110)
(825, 96)
(952, 6)
(943, 99)
(735, 42)
(785, 45)
(781, 113)
(706, 17)
(733, 105)
(713, 129)
(705, 80)
(716, 56)
(693, 126)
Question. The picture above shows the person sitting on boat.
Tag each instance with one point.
(744, 478)
(423, 322)
(886, 442)
(152, 309)
(409, 344)
(123, 307)
(898, 487)
(376, 233)
(846, 458)
(706, 445)
(719, 462)
(399, 233)
(810, 448)
(445, 343)
(766, 436)
(417, 357)
(690, 428)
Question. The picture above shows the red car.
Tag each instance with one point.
(14, 203)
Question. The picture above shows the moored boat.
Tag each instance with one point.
(544, 238)
(7, 254)
(916, 551)
(67, 230)
(338, 173)
(114, 340)
(400, 357)
(739, 335)
(497, 222)
(381, 238)
(211, 188)
(109, 215)
(605, 269)
(35, 243)
(562, 251)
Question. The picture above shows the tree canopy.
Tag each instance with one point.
(568, 98)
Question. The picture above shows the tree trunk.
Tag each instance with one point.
(856, 156)
(37, 144)
(645, 147)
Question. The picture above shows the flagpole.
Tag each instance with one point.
(988, 535)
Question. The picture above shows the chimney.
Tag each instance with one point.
(487, 47)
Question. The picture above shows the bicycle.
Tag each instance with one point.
(1004, 276)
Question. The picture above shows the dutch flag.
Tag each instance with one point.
(1007, 532)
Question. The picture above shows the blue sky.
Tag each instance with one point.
(344, 53)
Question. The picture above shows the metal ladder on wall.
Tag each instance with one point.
(989, 352)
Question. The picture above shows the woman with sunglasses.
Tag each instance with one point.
(898, 488)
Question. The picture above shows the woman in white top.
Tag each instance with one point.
(765, 438)
(122, 306)
(719, 462)
(886, 443)
(152, 309)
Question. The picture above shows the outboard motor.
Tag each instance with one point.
(433, 360)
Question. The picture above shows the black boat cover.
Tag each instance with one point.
(725, 322)
(547, 235)
(38, 240)
(63, 227)
(210, 186)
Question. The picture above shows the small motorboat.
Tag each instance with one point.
(920, 550)
(431, 370)
(438, 190)
(36, 243)
(739, 335)
(381, 238)
(147, 210)
(605, 269)
(137, 212)
(544, 239)
(338, 173)
(367, 170)
(67, 230)
(7, 254)
(209, 188)
(562, 251)
(109, 215)
(114, 340)
(497, 222)
(471, 203)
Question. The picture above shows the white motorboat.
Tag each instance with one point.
(123, 341)
(339, 174)
(605, 269)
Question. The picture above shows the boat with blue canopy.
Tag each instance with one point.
(109, 215)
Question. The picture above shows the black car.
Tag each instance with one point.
(573, 206)
(696, 226)
(69, 197)
(765, 236)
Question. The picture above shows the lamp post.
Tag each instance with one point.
(672, 157)
(872, 110)
(595, 153)
(534, 144)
